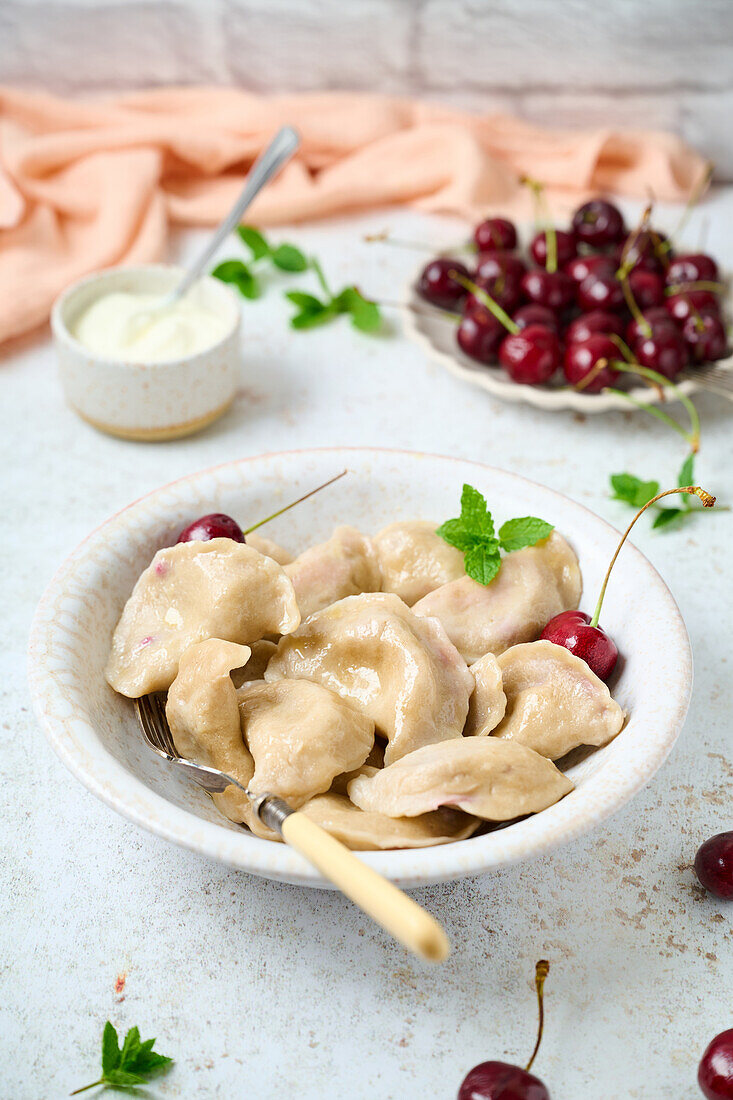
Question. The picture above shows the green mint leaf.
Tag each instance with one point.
(475, 513)
(289, 258)
(110, 1049)
(254, 240)
(687, 471)
(321, 277)
(122, 1079)
(515, 534)
(130, 1048)
(482, 564)
(458, 534)
(365, 314)
(150, 1061)
(667, 516)
(239, 275)
(632, 490)
(311, 318)
(306, 302)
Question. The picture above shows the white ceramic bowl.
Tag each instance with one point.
(94, 730)
(147, 401)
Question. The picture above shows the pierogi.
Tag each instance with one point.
(269, 548)
(555, 702)
(487, 704)
(399, 670)
(366, 832)
(414, 559)
(189, 592)
(344, 566)
(532, 586)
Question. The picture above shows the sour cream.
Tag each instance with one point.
(132, 327)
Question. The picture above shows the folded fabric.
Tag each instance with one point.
(85, 185)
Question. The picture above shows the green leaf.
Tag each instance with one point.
(365, 314)
(306, 302)
(289, 258)
(150, 1061)
(237, 273)
(321, 277)
(515, 534)
(122, 1078)
(474, 511)
(457, 533)
(633, 490)
(130, 1048)
(482, 564)
(667, 516)
(254, 240)
(687, 471)
(110, 1049)
(311, 318)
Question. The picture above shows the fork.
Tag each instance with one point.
(380, 899)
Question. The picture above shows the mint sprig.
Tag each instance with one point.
(284, 256)
(127, 1066)
(473, 533)
(313, 311)
(636, 492)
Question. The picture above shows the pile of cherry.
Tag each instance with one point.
(593, 296)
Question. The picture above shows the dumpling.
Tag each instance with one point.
(486, 777)
(414, 560)
(203, 714)
(259, 658)
(301, 736)
(531, 586)
(189, 592)
(401, 671)
(487, 704)
(373, 762)
(367, 832)
(555, 702)
(344, 566)
(269, 548)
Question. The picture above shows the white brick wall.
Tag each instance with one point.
(647, 63)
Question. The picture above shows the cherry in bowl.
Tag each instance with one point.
(565, 248)
(438, 286)
(215, 525)
(598, 223)
(530, 356)
(495, 234)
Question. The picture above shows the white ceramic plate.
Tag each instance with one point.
(94, 730)
(437, 337)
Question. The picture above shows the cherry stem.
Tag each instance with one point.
(624, 266)
(696, 194)
(632, 303)
(659, 379)
(541, 970)
(426, 310)
(702, 284)
(598, 366)
(414, 246)
(486, 300)
(292, 504)
(708, 500)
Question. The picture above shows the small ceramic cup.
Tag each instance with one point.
(147, 401)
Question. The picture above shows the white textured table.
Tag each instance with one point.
(272, 991)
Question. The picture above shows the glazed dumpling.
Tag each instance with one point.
(554, 701)
(414, 560)
(259, 658)
(189, 592)
(367, 832)
(487, 704)
(269, 548)
(399, 670)
(344, 566)
(203, 714)
(531, 586)
(486, 777)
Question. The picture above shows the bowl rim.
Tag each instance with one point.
(141, 804)
(61, 332)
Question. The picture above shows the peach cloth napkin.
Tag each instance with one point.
(85, 185)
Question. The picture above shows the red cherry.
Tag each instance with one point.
(553, 289)
(657, 318)
(530, 356)
(714, 865)
(647, 289)
(479, 334)
(583, 266)
(664, 351)
(600, 290)
(598, 223)
(501, 1081)
(694, 267)
(715, 1073)
(588, 324)
(495, 233)
(500, 275)
(705, 337)
(572, 630)
(437, 286)
(682, 306)
(581, 357)
(533, 314)
(216, 525)
(566, 248)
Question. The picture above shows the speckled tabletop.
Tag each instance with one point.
(274, 991)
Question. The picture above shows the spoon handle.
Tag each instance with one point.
(280, 149)
(380, 899)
